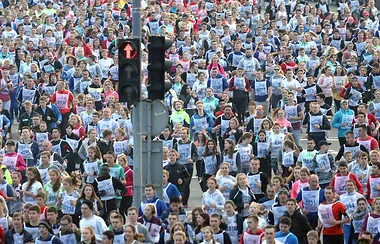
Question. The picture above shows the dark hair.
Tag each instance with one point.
(194, 218)
(150, 186)
(57, 129)
(109, 234)
(376, 163)
(285, 221)
(52, 210)
(330, 188)
(311, 139)
(321, 95)
(68, 218)
(175, 199)
(206, 217)
(270, 227)
(70, 125)
(107, 133)
(88, 203)
(364, 127)
(342, 164)
(214, 151)
(215, 216)
(291, 200)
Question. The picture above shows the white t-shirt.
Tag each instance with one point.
(97, 224)
(33, 189)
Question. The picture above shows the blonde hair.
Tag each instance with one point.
(152, 209)
(211, 231)
(238, 176)
(77, 117)
(91, 230)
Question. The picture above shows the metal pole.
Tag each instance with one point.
(136, 19)
(137, 139)
(149, 138)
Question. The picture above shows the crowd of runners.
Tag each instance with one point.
(259, 89)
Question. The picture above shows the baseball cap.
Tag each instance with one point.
(366, 13)
(10, 142)
(283, 191)
(321, 143)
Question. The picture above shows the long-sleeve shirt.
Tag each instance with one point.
(325, 125)
(216, 198)
(158, 203)
(239, 83)
(13, 160)
(320, 166)
(63, 100)
(363, 173)
(340, 117)
(372, 193)
(339, 186)
(186, 151)
(97, 224)
(201, 122)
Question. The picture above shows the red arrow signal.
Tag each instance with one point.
(130, 52)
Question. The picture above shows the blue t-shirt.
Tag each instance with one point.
(286, 238)
(261, 89)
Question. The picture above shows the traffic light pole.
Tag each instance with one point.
(137, 139)
(136, 18)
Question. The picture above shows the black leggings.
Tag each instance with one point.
(126, 202)
(109, 205)
(186, 188)
(337, 105)
(241, 103)
(64, 122)
(328, 100)
(333, 239)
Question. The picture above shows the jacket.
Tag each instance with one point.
(129, 181)
(300, 226)
(237, 197)
(180, 117)
(338, 120)
(104, 147)
(165, 215)
(177, 171)
(158, 203)
(47, 113)
(26, 120)
(34, 149)
(208, 118)
(9, 236)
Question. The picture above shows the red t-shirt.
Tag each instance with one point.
(370, 119)
(371, 195)
(338, 209)
(373, 143)
(351, 176)
(63, 100)
(249, 237)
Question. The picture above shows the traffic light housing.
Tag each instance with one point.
(158, 65)
(130, 71)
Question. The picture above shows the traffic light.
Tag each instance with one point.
(158, 65)
(130, 71)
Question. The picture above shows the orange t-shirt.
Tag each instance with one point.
(338, 209)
